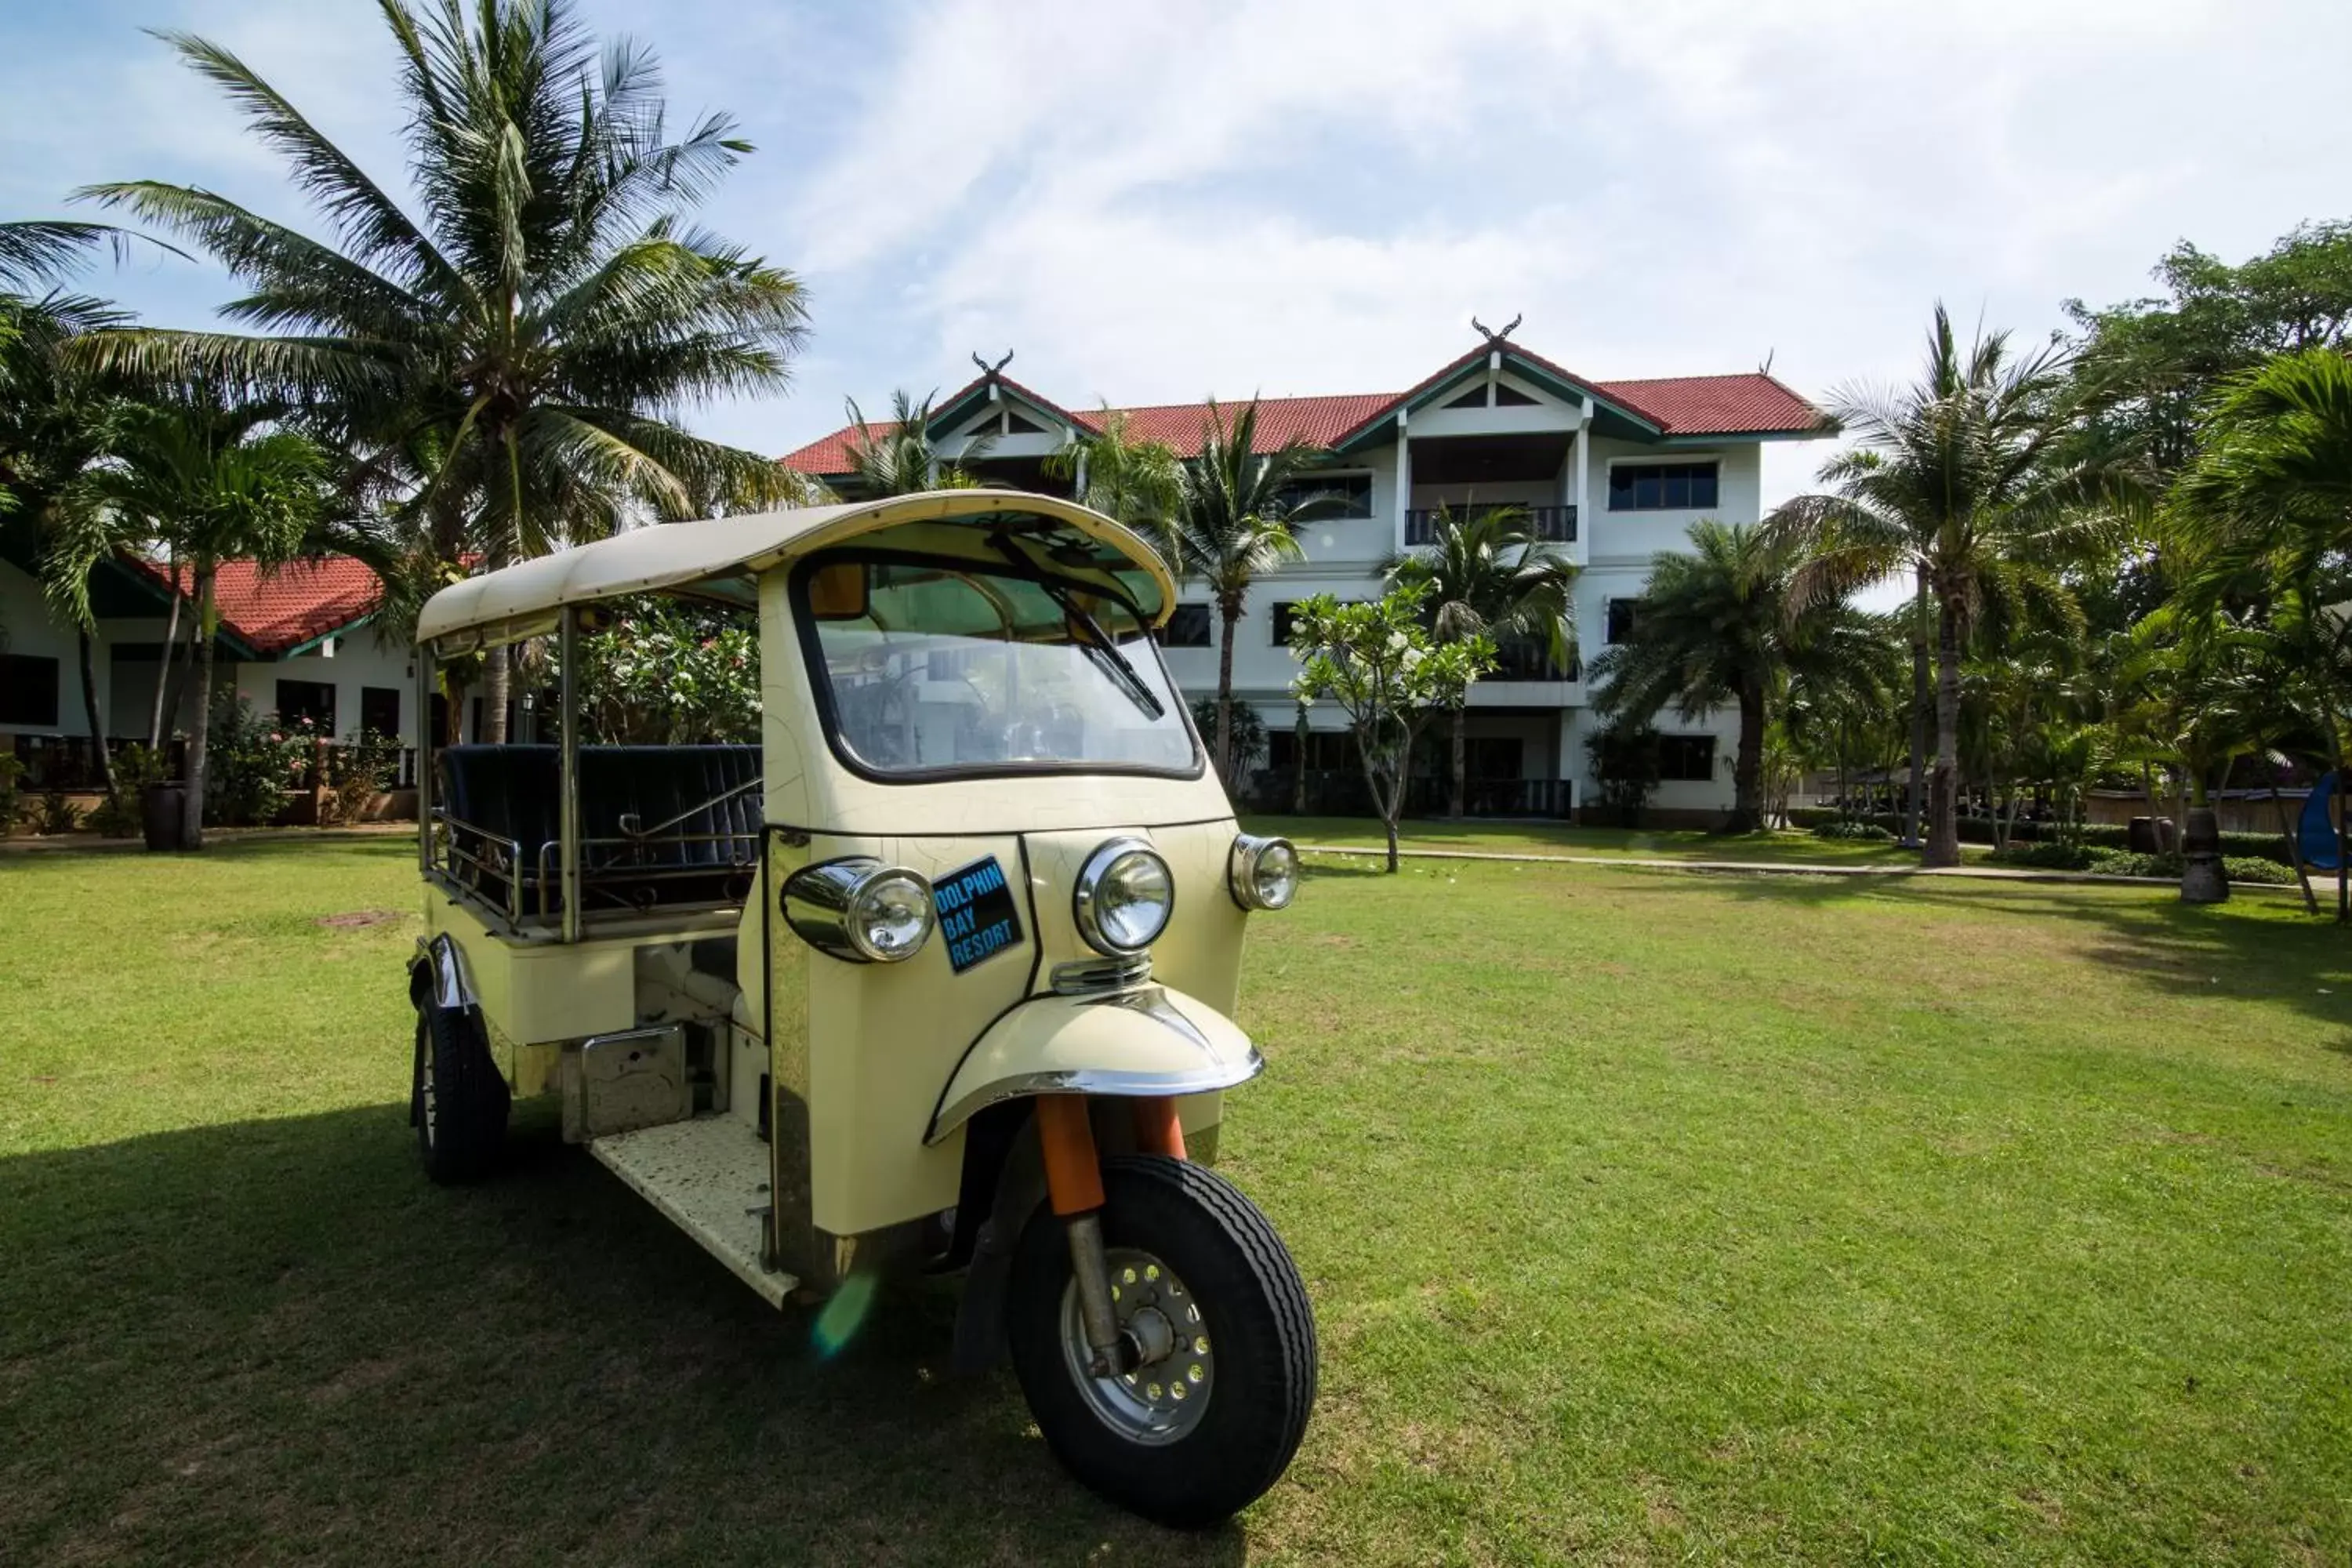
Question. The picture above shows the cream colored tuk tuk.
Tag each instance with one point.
(939, 975)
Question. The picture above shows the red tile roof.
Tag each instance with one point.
(275, 609)
(1751, 404)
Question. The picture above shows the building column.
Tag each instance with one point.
(1579, 475)
(1403, 478)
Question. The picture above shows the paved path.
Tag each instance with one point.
(1787, 869)
(215, 837)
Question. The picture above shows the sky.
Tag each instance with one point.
(1161, 203)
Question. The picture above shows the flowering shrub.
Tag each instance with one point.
(669, 674)
(251, 761)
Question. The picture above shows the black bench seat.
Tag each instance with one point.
(659, 825)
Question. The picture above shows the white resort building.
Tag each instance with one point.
(1613, 470)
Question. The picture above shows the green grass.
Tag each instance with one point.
(1648, 1217)
(1631, 843)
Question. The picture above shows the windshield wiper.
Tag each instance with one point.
(1098, 645)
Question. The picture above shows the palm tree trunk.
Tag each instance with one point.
(163, 675)
(496, 680)
(1943, 782)
(192, 830)
(89, 712)
(1918, 716)
(1747, 767)
(2293, 848)
(1454, 807)
(1230, 615)
(1388, 802)
(1298, 774)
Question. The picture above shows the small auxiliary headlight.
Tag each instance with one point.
(1124, 897)
(1262, 872)
(860, 910)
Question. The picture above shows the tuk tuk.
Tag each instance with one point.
(941, 976)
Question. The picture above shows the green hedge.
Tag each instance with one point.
(2270, 846)
(2120, 863)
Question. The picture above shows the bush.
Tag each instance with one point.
(1834, 828)
(359, 770)
(2123, 863)
(55, 813)
(12, 804)
(250, 765)
(122, 814)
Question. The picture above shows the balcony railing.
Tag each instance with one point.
(1525, 659)
(1553, 524)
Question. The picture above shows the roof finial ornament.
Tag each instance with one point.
(1494, 339)
(991, 371)
(1766, 368)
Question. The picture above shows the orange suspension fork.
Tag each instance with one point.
(1157, 1129)
(1066, 1135)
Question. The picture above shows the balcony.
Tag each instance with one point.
(1553, 524)
(1527, 658)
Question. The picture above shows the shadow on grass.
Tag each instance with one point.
(2258, 946)
(276, 1340)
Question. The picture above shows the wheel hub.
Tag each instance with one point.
(1171, 1368)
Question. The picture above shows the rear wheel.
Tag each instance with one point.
(1217, 1323)
(459, 1099)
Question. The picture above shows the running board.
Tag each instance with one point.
(709, 1175)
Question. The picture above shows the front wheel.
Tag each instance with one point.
(458, 1097)
(1214, 1311)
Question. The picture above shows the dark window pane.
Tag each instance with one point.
(1677, 491)
(1187, 628)
(1282, 622)
(1621, 487)
(380, 709)
(1703, 487)
(1647, 486)
(1620, 613)
(1686, 759)
(28, 690)
(311, 700)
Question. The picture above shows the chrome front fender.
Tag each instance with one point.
(437, 974)
(1150, 1040)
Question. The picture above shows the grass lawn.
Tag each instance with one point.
(1626, 843)
(1648, 1217)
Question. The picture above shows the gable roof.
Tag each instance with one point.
(274, 612)
(1672, 408)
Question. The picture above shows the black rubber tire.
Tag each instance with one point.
(1257, 1313)
(460, 1139)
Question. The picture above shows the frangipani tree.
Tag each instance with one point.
(1379, 664)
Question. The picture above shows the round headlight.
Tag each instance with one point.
(860, 910)
(1125, 893)
(889, 915)
(1264, 872)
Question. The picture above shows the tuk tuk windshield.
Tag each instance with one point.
(941, 667)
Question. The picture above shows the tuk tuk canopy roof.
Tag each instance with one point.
(523, 600)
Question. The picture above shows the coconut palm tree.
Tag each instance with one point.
(1965, 481)
(1121, 475)
(900, 459)
(1232, 525)
(216, 481)
(1718, 627)
(52, 427)
(503, 368)
(1486, 571)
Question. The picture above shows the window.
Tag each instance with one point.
(1661, 486)
(1338, 497)
(380, 709)
(311, 700)
(1014, 425)
(1328, 751)
(1187, 628)
(1686, 759)
(1619, 615)
(28, 690)
(952, 666)
(1282, 612)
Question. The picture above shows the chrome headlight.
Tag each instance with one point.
(1124, 897)
(1262, 872)
(860, 910)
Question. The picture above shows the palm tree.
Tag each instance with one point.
(215, 480)
(502, 369)
(1962, 482)
(900, 459)
(1718, 626)
(1232, 525)
(1842, 692)
(52, 420)
(1137, 482)
(1486, 571)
